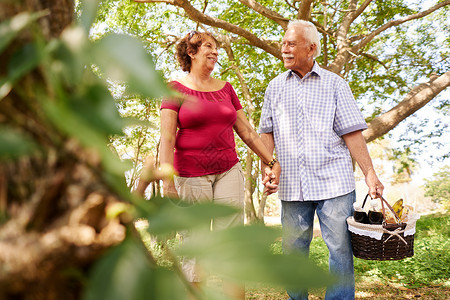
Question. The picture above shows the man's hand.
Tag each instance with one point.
(271, 178)
(375, 186)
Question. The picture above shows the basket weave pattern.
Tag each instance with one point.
(391, 246)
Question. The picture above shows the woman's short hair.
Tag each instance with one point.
(189, 45)
(310, 33)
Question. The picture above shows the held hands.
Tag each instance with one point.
(375, 186)
(271, 178)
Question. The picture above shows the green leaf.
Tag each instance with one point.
(97, 107)
(244, 254)
(68, 63)
(176, 218)
(22, 61)
(125, 273)
(88, 13)
(14, 144)
(5, 87)
(76, 126)
(10, 28)
(124, 58)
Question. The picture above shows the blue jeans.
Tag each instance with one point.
(297, 218)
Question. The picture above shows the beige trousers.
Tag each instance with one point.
(226, 188)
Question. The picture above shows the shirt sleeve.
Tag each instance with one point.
(234, 98)
(172, 103)
(348, 116)
(266, 123)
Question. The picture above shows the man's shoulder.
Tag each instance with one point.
(328, 75)
(280, 79)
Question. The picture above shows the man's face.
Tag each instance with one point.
(297, 52)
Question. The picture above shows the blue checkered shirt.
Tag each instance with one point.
(307, 117)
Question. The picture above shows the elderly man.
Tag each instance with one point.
(311, 119)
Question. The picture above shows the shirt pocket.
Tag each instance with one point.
(319, 111)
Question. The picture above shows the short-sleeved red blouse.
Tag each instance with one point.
(205, 140)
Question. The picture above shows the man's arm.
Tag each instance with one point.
(358, 149)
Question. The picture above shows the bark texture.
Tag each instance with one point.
(53, 204)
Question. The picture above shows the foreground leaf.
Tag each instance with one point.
(9, 29)
(173, 217)
(14, 144)
(126, 273)
(244, 254)
(124, 58)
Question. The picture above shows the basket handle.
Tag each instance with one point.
(383, 201)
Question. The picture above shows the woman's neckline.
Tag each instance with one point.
(186, 87)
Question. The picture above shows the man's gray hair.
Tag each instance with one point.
(310, 33)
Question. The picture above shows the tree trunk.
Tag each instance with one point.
(250, 213)
(52, 204)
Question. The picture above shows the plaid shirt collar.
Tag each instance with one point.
(316, 70)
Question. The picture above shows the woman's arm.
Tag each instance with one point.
(251, 138)
(268, 141)
(168, 133)
(254, 142)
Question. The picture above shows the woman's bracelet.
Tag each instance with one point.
(270, 164)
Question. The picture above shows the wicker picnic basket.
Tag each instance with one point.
(383, 242)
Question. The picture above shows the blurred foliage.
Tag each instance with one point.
(75, 101)
(438, 187)
(403, 165)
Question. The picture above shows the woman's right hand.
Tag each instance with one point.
(169, 189)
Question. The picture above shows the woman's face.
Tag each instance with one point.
(206, 55)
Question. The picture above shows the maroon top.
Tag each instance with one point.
(205, 139)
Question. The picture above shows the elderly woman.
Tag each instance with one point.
(203, 149)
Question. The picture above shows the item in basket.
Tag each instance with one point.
(407, 210)
(359, 214)
(375, 215)
(398, 207)
(390, 218)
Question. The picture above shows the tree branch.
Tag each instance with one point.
(416, 99)
(344, 28)
(360, 10)
(393, 23)
(374, 58)
(268, 13)
(304, 11)
(343, 45)
(197, 16)
(292, 5)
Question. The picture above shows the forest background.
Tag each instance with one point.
(78, 79)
